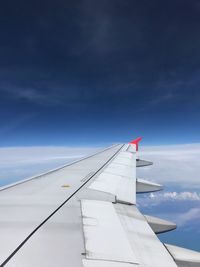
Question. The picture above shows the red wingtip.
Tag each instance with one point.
(136, 142)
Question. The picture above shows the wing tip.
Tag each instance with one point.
(136, 142)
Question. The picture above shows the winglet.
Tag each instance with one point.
(136, 142)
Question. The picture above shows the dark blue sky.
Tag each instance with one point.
(97, 72)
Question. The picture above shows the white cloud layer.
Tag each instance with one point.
(21, 162)
(177, 164)
(157, 199)
(23, 155)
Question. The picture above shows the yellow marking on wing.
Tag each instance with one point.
(65, 186)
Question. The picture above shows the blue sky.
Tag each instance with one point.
(97, 72)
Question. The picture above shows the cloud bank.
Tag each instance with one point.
(175, 196)
(17, 163)
(175, 165)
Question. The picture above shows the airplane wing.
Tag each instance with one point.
(84, 214)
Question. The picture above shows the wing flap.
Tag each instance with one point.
(144, 243)
(105, 238)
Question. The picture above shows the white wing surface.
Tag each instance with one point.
(84, 215)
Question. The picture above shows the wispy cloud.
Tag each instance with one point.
(186, 217)
(15, 123)
(41, 96)
(47, 94)
(166, 97)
